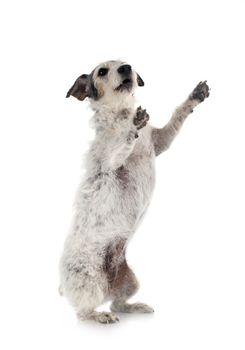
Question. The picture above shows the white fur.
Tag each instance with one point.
(120, 210)
(105, 208)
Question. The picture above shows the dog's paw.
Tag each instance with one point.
(106, 317)
(141, 118)
(201, 91)
(140, 308)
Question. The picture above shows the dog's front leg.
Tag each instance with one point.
(162, 138)
(120, 141)
(120, 148)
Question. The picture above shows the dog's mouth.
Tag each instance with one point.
(126, 84)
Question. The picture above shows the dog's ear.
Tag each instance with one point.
(140, 80)
(80, 89)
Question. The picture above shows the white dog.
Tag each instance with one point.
(116, 190)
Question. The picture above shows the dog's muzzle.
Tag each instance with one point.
(126, 72)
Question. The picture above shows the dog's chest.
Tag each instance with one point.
(138, 172)
(136, 178)
(116, 201)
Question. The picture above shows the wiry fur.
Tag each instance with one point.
(114, 194)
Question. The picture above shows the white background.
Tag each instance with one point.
(189, 252)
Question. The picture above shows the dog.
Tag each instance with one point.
(115, 191)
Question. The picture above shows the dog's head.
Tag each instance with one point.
(109, 80)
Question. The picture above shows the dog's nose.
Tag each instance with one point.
(125, 69)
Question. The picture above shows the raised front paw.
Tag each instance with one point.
(141, 118)
(201, 91)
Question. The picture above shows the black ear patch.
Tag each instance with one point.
(140, 81)
(82, 88)
(79, 88)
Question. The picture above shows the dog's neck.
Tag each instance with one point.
(110, 103)
(108, 110)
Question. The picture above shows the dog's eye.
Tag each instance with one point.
(102, 72)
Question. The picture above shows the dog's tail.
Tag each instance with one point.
(60, 291)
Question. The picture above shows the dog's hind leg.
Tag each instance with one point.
(87, 303)
(86, 290)
(123, 287)
(87, 299)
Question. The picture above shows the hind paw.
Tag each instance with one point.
(132, 308)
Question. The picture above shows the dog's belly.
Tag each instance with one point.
(118, 200)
